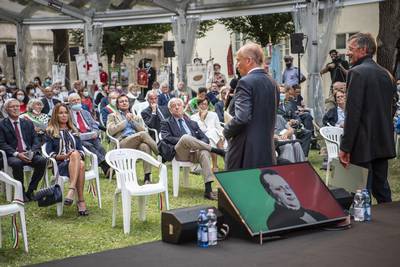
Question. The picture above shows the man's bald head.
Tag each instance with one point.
(253, 51)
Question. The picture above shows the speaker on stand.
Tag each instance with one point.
(10, 49)
(296, 47)
(170, 53)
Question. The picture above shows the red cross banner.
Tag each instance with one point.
(88, 67)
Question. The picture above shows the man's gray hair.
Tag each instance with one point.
(365, 40)
(8, 102)
(173, 101)
(3, 87)
(151, 92)
(73, 95)
(32, 102)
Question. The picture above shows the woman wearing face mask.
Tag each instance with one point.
(209, 123)
(87, 102)
(30, 91)
(23, 99)
(35, 115)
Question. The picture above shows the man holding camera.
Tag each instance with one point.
(338, 68)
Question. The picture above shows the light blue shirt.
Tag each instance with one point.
(291, 76)
(187, 130)
(340, 116)
(129, 128)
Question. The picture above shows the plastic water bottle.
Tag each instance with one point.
(367, 205)
(358, 206)
(202, 230)
(212, 227)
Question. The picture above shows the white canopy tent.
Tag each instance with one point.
(183, 14)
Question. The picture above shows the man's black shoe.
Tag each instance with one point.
(211, 195)
(28, 197)
(218, 151)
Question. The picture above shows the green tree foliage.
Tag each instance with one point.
(259, 28)
(205, 26)
(127, 40)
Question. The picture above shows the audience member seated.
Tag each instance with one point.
(133, 93)
(209, 123)
(88, 129)
(221, 104)
(288, 148)
(86, 99)
(110, 108)
(154, 114)
(212, 95)
(330, 102)
(165, 95)
(126, 127)
(182, 92)
(335, 116)
(35, 115)
(3, 98)
(297, 96)
(22, 98)
(30, 91)
(187, 142)
(193, 105)
(76, 87)
(19, 140)
(64, 145)
(101, 98)
(48, 100)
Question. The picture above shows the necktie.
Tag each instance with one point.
(19, 138)
(167, 97)
(183, 131)
(160, 113)
(81, 124)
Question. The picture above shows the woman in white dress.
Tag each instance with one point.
(209, 123)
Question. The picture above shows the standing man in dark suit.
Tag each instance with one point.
(48, 100)
(368, 127)
(250, 133)
(154, 114)
(19, 140)
(188, 143)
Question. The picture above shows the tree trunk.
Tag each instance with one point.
(61, 50)
(389, 33)
(119, 56)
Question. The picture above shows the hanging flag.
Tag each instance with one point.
(209, 72)
(142, 77)
(196, 76)
(229, 60)
(88, 67)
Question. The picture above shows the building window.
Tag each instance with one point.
(341, 39)
(237, 41)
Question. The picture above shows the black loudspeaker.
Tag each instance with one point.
(169, 49)
(180, 225)
(72, 52)
(344, 198)
(10, 48)
(296, 43)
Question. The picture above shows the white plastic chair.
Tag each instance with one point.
(7, 169)
(123, 161)
(17, 206)
(332, 137)
(91, 174)
(176, 165)
(115, 142)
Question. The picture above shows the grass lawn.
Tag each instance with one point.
(51, 237)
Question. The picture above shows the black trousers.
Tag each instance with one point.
(377, 182)
(39, 167)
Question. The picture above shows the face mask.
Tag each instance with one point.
(56, 92)
(282, 97)
(147, 65)
(113, 102)
(36, 112)
(76, 107)
(85, 93)
(20, 97)
(288, 65)
(123, 68)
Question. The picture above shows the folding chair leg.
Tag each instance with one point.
(185, 181)
(114, 211)
(23, 228)
(1, 235)
(166, 199)
(142, 207)
(98, 191)
(126, 212)
(175, 179)
(328, 173)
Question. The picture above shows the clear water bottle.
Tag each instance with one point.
(212, 227)
(367, 205)
(202, 230)
(358, 206)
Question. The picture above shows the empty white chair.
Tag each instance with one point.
(16, 206)
(92, 174)
(123, 161)
(332, 137)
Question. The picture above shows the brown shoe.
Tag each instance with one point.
(211, 195)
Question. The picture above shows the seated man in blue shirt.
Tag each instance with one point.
(126, 127)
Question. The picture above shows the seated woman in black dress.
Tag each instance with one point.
(64, 144)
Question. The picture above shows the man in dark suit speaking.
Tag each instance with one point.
(19, 140)
(368, 127)
(250, 132)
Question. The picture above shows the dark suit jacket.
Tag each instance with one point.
(162, 99)
(8, 139)
(331, 117)
(288, 110)
(171, 133)
(46, 107)
(250, 132)
(368, 126)
(154, 120)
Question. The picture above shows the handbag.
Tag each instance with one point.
(48, 196)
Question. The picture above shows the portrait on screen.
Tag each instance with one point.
(279, 198)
